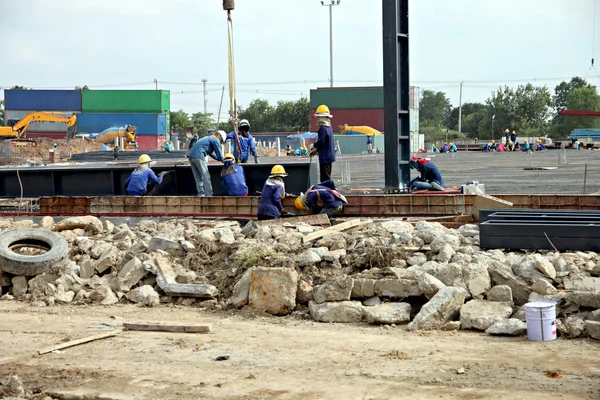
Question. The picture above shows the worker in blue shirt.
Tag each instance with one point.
(142, 179)
(369, 144)
(324, 145)
(234, 181)
(207, 146)
(322, 198)
(273, 192)
(430, 178)
(246, 142)
(193, 141)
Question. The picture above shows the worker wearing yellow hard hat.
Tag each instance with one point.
(234, 181)
(325, 145)
(321, 199)
(270, 206)
(143, 180)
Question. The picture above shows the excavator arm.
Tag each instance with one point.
(19, 129)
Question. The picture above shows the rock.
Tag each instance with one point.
(8, 297)
(19, 285)
(397, 288)
(86, 270)
(47, 223)
(397, 227)
(334, 290)
(108, 226)
(334, 255)
(371, 302)
(556, 298)
(477, 279)
(511, 326)
(363, 288)
(62, 296)
(519, 289)
(239, 297)
(542, 286)
(469, 230)
(501, 293)
(82, 296)
(225, 236)
(307, 258)
(145, 295)
(4, 279)
(594, 316)
(122, 234)
(428, 231)
(343, 311)
(388, 313)
(429, 285)
(572, 327)
(481, 314)
(100, 248)
(321, 251)
(188, 246)
(104, 296)
(544, 266)
(417, 259)
(263, 233)
(305, 229)
(207, 234)
(442, 307)
(451, 275)
(133, 272)
(107, 260)
(451, 326)
(186, 277)
(89, 223)
(593, 329)
(85, 246)
(273, 290)
(445, 254)
(305, 292)
(172, 247)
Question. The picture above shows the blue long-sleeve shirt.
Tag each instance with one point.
(236, 183)
(322, 191)
(431, 173)
(137, 182)
(270, 199)
(207, 146)
(325, 144)
(246, 144)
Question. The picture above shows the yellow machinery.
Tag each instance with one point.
(17, 132)
(109, 135)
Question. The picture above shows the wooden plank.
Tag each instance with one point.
(160, 327)
(319, 219)
(77, 342)
(484, 202)
(334, 229)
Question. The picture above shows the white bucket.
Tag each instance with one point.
(541, 320)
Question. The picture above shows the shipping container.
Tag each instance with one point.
(146, 143)
(38, 100)
(146, 124)
(372, 118)
(126, 101)
(348, 97)
(14, 116)
(47, 135)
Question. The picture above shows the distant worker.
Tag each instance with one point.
(193, 141)
(487, 147)
(234, 181)
(507, 134)
(577, 145)
(493, 145)
(246, 142)
(501, 147)
(207, 146)
(445, 148)
(269, 206)
(513, 137)
(54, 147)
(526, 146)
(288, 151)
(116, 151)
(142, 179)
(430, 178)
(434, 149)
(369, 144)
(541, 145)
(325, 145)
(168, 147)
(510, 146)
(377, 151)
(453, 148)
(322, 198)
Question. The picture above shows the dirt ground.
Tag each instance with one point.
(281, 358)
(40, 152)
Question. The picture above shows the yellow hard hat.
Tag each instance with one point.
(506, 130)
(229, 156)
(144, 158)
(278, 170)
(303, 147)
(493, 141)
(451, 144)
(323, 111)
(299, 203)
(525, 140)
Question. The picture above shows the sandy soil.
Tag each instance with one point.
(281, 358)
(40, 152)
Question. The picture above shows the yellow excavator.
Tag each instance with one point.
(16, 133)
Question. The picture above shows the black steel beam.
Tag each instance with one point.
(525, 213)
(396, 93)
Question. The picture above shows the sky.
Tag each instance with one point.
(282, 46)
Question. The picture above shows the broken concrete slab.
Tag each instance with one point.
(86, 270)
(511, 327)
(239, 297)
(544, 266)
(145, 295)
(273, 290)
(85, 222)
(520, 290)
(442, 307)
(477, 279)
(428, 284)
(481, 314)
(107, 260)
(19, 285)
(593, 329)
(388, 313)
(165, 244)
(397, 288)
(338, 289)
(363, 288)
(104, 296)
(342, 311)
(501, 293)
(199, 290)
(542, 286)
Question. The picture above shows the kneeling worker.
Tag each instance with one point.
(142, 179)
(430, 179)
(234, 181)
(322, 199)
(270, 206)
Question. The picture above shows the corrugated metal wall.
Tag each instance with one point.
(126, 101)
(357, 144)
(347, 97)
(42, 100)
(39, 126)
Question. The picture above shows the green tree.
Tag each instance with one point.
(202, 123)
(561, 124)
(562, 90)
(260, 114)
(434, 108)
(80, 88)
(467, 109)
(179, 121)
(291, 116)
(17, 87)
(583, 98)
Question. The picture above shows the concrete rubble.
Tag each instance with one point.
(391, 272)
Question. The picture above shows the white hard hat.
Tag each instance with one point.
(223, 136)
(244, 122)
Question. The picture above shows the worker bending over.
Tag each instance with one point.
(430, 179)
(453, 148)
(526, 146)
(270, 206)
(207, 146)
(324, 145)
(322, 198)
(142, 179)
(234, 181)
(246, 142)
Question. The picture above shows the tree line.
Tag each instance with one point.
(530, 110)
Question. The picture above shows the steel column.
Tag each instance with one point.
(396, 93)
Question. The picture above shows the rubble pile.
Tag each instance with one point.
(391, 272)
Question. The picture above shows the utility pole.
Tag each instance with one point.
(460, 109)
(331, 4)
(493, 120)
(204, 92)
(155, 83)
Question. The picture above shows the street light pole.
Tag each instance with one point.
(493, 120)
(331, 4)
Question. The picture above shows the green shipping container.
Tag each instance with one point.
(347, 98)
(126, 101)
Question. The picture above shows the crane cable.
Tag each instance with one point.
(593, 43)
(233, 111)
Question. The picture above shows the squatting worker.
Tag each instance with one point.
(246, 143)
(207, 146)
(270, 206)
(321, 199)
(430, 178)
(324, 145)
(142, 179)
(234, 181)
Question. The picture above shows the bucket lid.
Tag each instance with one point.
(540, 304)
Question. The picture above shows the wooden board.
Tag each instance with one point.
(77, 342)
(334, 229)
(484, 202)
(319, 219)
(160, 327)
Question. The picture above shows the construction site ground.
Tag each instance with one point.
(280, 358)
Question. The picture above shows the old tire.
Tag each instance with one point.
(30, 265)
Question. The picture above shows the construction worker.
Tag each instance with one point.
(270, 206)
(487, 147)
(54, 146)
(434, 149)
(430, 178)
(513, 137)
(168, 147)
(453, 148)
(506, 134)
(234, 181)
(526, 146)
(116, 151)
(193, 141)
(207, 146)
(510, 146)
(142, 179)
(325, 145)
(493, 145)
(501, 147)
(445, 148)
(369, 144)
(246, 142)
(321, 199)
(288, 151)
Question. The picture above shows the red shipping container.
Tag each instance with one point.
(150, 142)
(49, 135)
(372, 118)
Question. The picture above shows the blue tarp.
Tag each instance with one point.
(305, 135)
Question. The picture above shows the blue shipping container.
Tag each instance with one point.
(42, 100)
(146, 124)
